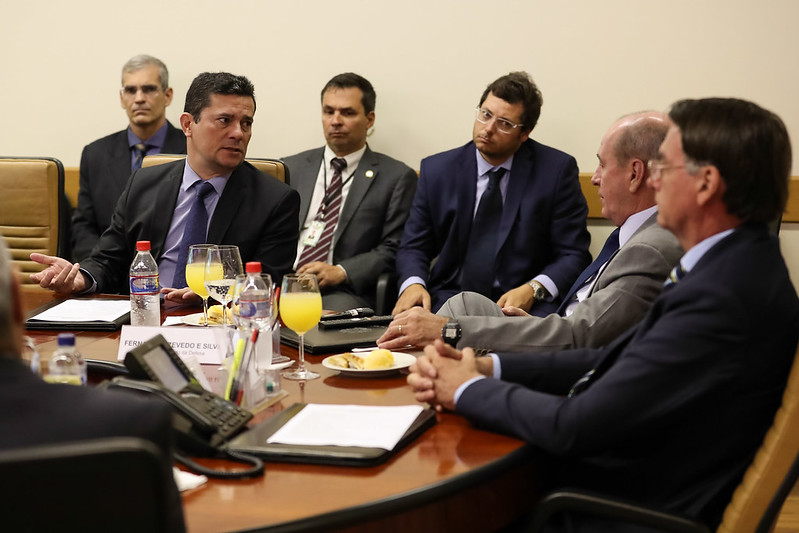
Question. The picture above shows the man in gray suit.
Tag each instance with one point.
(613, 293)
(354, 201)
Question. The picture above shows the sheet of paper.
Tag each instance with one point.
(85, 311)
(368, 426)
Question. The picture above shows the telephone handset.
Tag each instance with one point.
(202, 420)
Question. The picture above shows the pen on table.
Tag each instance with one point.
(237, 353)
(237, 390)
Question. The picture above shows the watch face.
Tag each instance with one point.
(451, 333)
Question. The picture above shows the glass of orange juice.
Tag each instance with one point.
(300, 309)
(196, 272)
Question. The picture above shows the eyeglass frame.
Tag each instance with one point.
(499, 121)
(657, 169)
(147, 90)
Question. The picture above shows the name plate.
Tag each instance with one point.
(209, 346)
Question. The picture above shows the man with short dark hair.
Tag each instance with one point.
(352, 218)
(611, 295)
(39, 413)
(503, 215)
(238, 204)
(670, 414)
(107, 163)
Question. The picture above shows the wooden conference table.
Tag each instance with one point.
(452, 478)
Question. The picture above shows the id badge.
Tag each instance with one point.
(315, 231)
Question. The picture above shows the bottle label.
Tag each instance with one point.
(144, 285)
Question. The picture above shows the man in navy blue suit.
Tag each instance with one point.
(503, 215)
(671, 413)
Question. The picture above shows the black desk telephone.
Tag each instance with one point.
(202, 421)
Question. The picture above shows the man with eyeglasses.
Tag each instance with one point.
(502, 216)
(354, 202)
(610, 296)
(107, 163)
(670, 414)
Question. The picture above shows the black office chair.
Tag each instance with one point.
(113, 484)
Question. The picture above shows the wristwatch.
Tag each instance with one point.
(539, 291)
(451, 333)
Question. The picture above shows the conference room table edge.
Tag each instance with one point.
(504, 488)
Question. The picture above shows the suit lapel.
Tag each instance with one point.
(165, 203)
(358, 188)
(303, 179)
(465, 181)
(119, 164)
(517, 185)
(235, 192)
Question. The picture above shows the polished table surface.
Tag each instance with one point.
(452, 478)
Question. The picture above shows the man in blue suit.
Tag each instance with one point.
(671, 413)
(503, 215)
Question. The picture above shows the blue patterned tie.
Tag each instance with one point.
(478, 265)
(139, 151)
(610, 248)
(194, 231)
(675, 275)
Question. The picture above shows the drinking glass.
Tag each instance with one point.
(195, 273)
(300, 309)
(221, 270)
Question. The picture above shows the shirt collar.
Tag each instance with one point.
(484, 166)
(156, 141)
(692, 256)
(353, 159)
(190, 178)
(634, 222)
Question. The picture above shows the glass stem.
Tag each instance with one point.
(205, 311)
(301, 366)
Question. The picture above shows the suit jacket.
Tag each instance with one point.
(542, 230)
(104, 171)
(680, 403)
(372, 218)
(621, 296)
(49, 414)
(256, 212)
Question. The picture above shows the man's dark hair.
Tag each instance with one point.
(198, 97)
(350, 79)
(518, 87)
(749, 146)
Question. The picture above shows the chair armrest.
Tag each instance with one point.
(584, 503)
(385, 293)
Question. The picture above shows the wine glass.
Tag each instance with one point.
(195, 273)
(300, 309)
(221, 270)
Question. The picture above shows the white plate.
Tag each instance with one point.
(401, 360)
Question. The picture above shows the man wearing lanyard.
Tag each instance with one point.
(107, 163)
(354, 202)
(503, 215)
(242, 206)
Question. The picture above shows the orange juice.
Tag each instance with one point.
(195, 278)
(300, 311)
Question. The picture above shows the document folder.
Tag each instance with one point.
(80, 325)
(254, 442)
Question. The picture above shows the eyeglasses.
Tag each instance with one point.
(657, 169)
(147, 90)
(484, 116)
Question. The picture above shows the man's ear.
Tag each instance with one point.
(637, 176)
(709, 184)
(186, 121)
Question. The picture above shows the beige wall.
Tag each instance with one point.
(429, 61)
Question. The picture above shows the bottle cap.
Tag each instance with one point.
(142, 246)
(66, 339)
(253, 267)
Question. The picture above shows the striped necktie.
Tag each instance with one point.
(194, 231)
(676, 274)
(328, 213)
(139, 151)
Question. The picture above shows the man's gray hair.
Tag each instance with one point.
(143, 60)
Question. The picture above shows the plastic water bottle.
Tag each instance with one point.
(67, 364)
(145, 307)
(255, 299)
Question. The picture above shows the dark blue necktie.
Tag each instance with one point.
(139, 151)
(675, 275)
(610, 248)
(194, 231)
(478, 266)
